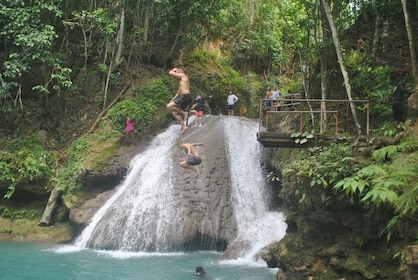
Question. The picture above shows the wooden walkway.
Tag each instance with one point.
(311, 117)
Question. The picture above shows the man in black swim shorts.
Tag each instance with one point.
(182, 101)
(193, 160)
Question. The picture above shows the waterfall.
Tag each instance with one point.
(145, 212)
(142, 206)
(257, 226)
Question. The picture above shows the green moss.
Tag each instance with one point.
(29, 230)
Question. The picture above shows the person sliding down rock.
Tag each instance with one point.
(193, 160)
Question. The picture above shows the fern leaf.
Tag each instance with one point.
(372, 171)
(351, 185)
(389, 183)
(408, 146)
(380, 195)
(385, 153)
(407, 202)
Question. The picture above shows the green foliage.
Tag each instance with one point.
(351, 185)
(359, 240)
(25, 159)
(394, 151)
(323, 167)
(31, 39)
(371, 83)
(145, 107)
(18, 214)
(390, 181)
(67, 179)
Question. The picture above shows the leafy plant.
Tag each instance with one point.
(359, 240)
(145, 107)
(67, 179)
(31, 39)
(24, 160)
(390, 181)
(323, 167)
(19, 214)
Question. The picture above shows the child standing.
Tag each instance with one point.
(130, 123)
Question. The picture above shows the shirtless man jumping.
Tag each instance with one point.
(193, 160)
(181, 102)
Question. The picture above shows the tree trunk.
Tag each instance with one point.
(119, 40)
(341, 62)
(324, 69)
(50, 206)
(376, 37)
(411, 42)
(147, 18)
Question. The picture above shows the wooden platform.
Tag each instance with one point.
(285, 140)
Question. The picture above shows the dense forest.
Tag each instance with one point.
(71, 72)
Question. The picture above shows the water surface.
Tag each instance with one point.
(28, 260)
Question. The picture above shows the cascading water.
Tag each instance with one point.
(145, 212)
(257, 226)
(142, 206)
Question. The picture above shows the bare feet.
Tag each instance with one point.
(187, 176)
(197, 172)
(183, 130)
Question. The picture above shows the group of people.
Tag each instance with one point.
(181, 104)
(272, 97)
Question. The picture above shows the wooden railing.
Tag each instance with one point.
(315, 109)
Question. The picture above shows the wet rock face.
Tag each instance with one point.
(206, 199)
(80, 216)
(208, 218)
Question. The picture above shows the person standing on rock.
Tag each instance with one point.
(199, 108)
(193, 160)
(181, 102)
(129, 130)
(232, 99)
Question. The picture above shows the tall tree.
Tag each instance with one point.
(344, 72)
(410, 41)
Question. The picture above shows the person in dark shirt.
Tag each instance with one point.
(199, 108)
(399, 109)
